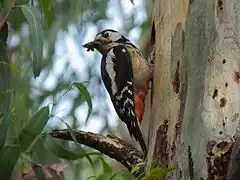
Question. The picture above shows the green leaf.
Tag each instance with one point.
(104, 177)
(9, 155)
(122, 175)
(46, 6)
(107, 170)
(33, 17)
(39, 172)
(106, 167)
(71, 131)
(7, 119)
(59, 151)
(33, 128)
(4, 95)
(91, 178)
(86, 94)
(158, 172)
(13, 67)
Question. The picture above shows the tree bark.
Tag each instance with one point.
(111, 146)
(196, 94)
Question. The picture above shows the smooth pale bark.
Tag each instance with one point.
(196, 94)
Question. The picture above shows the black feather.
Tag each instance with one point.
(123, 100)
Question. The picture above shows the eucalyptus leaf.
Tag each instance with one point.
(72, 134)
(59, 151)
(106, 167)
(8, 157)
(122, 175)
(86, 95)
(33, 17)
(158, 173)
(106, 170)
(106, 176)
(33, 128)
(46, 6)
(6, 121)
(13, 67)
(9, 154)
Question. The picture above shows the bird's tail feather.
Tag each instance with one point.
(136, 131)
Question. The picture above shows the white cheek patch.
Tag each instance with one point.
(114, 36)
(110, 70)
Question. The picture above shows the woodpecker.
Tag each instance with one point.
(126, 76)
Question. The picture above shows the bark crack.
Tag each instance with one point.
(190, 164)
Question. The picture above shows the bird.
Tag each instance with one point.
(126, 76)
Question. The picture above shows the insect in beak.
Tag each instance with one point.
(90, 46)
(93, 44)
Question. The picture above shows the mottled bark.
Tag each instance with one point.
(196, 94)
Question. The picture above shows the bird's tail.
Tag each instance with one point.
(136, 131)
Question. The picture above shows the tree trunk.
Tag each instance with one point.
(196, 94)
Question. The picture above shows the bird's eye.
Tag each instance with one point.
(106, 35)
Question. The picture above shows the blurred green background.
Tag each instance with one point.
(67, 24)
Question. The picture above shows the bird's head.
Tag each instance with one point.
(104, 40)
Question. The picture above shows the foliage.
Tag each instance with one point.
(28, 107)
(36, 35)
(153, 173)
(157, 173)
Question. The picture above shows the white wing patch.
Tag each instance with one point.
(128, 100)
(124, 50)
(119, 97)
(110, 70)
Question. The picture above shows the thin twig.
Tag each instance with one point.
(5, 18)
(111, 146)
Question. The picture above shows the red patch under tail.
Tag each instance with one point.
(139, 105)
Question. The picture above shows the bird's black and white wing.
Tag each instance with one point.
(117, 75)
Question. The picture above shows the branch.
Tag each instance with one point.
(111, 146)
(5, 18)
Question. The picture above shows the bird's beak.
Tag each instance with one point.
(92, 45)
